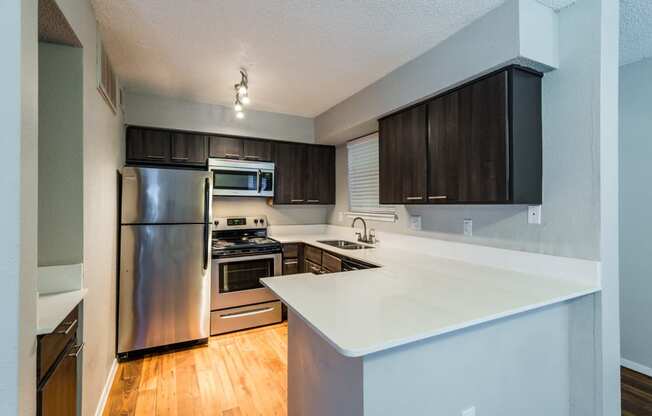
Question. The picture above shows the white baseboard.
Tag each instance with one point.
(107, 389)
(636, 367)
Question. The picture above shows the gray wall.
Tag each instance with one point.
(571, 181)
(60, 136)
(103, 154)
(149, 110)
(19, 187)
(635, 202)
(276, 215)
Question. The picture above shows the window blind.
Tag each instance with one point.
(363, 167)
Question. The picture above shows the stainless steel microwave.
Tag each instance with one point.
(242, 177)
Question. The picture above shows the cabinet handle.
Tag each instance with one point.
(313, 200)
(71, 325)
(251, 157)
(289, 262)
(296, 200)
(233, 155)
(154, 157)
(414, 198)
(78, 349)
(179, 158)
(438, 197)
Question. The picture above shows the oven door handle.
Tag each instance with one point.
(243, 314)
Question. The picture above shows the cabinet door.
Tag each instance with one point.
(444, 157)
(412, 151)
(291, 266)
(290, 174)
(226, 147)
(257, 150)
(483, 127)
(58, 397)
(147, 145)
(390, 182)
(320, 178)
(188, 149)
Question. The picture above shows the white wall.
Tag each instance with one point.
(635, 200)
(18, 183)
(103, 155)
(60, 139)
(154, 111)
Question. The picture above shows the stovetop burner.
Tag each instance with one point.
(246, 235)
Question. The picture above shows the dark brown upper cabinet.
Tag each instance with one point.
(444, 149)
(148, 145)
(320, 175)
(305, 174)
(228, 147)
(482, 144)
(188, 148)
(262, 150)
(290, 183)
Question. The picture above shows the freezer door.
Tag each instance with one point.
(152, 196)
(164, 293)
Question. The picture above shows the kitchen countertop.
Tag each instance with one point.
(412, 296)
(54, 307)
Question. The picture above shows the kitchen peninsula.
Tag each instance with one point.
(442, 319)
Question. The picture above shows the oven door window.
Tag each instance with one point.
(244, 275)
(235, 180)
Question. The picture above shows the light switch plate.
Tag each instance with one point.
(534, 214)
(415, 222)
(468, 227)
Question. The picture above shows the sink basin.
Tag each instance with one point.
(343, 244)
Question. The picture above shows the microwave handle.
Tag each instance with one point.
(260, 180)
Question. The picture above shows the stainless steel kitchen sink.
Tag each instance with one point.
(343, 244)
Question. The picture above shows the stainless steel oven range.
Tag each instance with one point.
(242, 255)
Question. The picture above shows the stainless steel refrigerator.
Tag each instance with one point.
(165, 247)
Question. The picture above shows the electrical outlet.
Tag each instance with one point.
(468, 227)
(469, 412)
(415, 222)
(534, 214)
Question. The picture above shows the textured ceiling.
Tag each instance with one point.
(303, 56)
(635, 30)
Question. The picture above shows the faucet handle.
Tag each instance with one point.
(372, 236)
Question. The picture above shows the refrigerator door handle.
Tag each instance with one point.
(207, 194)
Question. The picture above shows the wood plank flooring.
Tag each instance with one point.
(245, 373)
(239, 374)
(636, 391)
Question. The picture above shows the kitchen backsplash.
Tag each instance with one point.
(276, 215)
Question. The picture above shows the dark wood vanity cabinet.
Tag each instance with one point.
(480, 143)
(188, 148)
(320, 175)
(148, 145)
(262, 150)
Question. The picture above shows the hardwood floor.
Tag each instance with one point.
(636, 391)
(243, 373)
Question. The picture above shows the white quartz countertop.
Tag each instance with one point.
(412, 296)
(54, 307)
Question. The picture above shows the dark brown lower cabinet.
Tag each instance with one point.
(58, 395)
(57, 361)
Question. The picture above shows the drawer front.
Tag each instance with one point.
(58, 396)
(51, 346)
(310, 267)
(313, 254)
(331, 263)
(290, 266)
(291, 250)
(234, 319)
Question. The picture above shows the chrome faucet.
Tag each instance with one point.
(361, 238)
